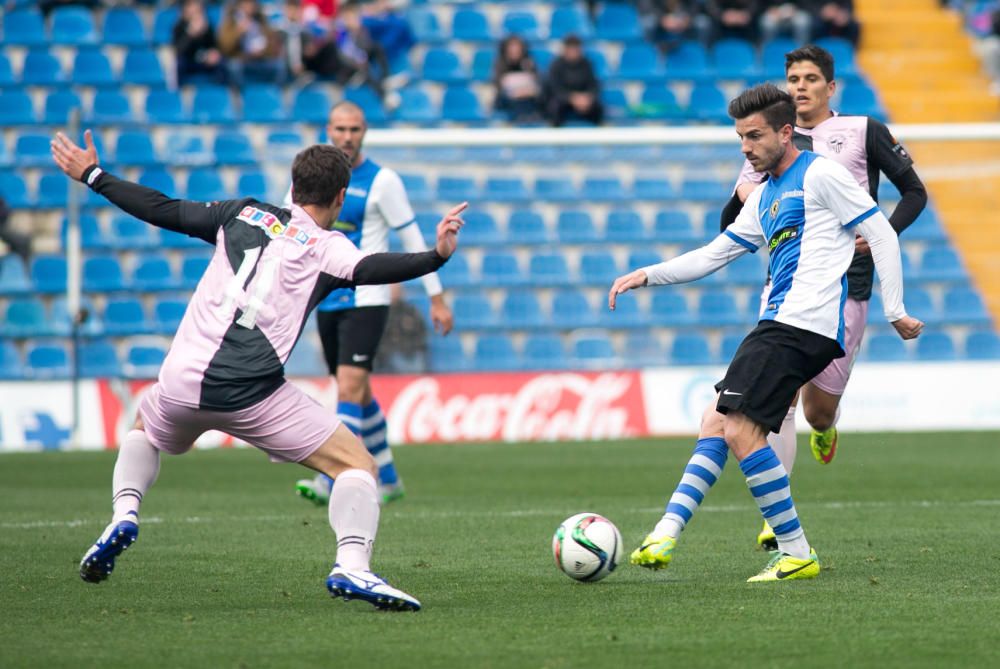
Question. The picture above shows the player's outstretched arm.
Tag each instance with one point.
(884, 246)
(623, 284)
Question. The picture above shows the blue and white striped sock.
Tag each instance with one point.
(768, 483)
(374, 433)
(701, 473)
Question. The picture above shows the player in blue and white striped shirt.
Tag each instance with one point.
(806, 213)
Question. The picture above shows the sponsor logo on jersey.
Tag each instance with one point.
(354, 191)
(782, 236)
(900, 151)
(344, 226)
(774, 208)
(792, 193)
(273, 227)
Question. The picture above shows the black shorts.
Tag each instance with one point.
(351, 336)
(769, 367)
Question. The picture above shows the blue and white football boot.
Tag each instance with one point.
(369, 587)
(98, 563)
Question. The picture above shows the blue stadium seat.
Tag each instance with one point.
(735, 59)
(604, 189)
(415, 106)
(527, 227)
(886, 348)
(370, 103)
(14, 191)
(124, 317)
(927, 228)
(25, 317)
(501, 269)
(558, 189)
(688, 61)
(919, 301)
(253, 183)
(143, 362)
(543, 59)
(549, 269)
(658, 102)
(674, 227)
(123, 27)
(982, 346)
(842, 52)
(212, 104)
(461, 104)
(73, 26)
(648, 187)
(7, 79)
(751, 270)
(456, 272)
(935, 346)
(417, 188)
(131, 233)
(644, 350)
(730, 344)
(644, 257)
(13, 276)
(690, 349)
(858, 98)
(16, 108)
(594, 352)
(618, 22)
(142, 68)
(522, 23)
(233, 148)
(457, 189)
(625, 226)
(102, 274)
(99, 359)
(719, 308)
(111, 108)
(193, 267)
(53, 190)
(48, 274)
(773, 57)
(544, 352)
(641, 62)
(668, 307)
(153, 273)
(495, 352)
(505, 189)
(24, 27)
(570, 20)
(11, 366)
(576, 227)
(961, 305)
(447, 355)
(42, 69)
(91, 234)
(471, 25)
(704, 189)
(282, 145)
(627, 313)
(187, 148)
(33, 150)
(135, 148)
(205, 185)
(482, 64)
(264, 104)
(616, 104)
(47, 361)
(425, 25)
(521, 310)
(311, 105)
(941, 264)
(159, 179)
(598, 267)
(163, 24)
(92, 68)
(480, 228)
(167, 315)
(708, 103)
(570, 308)
(473, 311)
(164, 106)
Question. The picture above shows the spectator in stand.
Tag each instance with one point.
(572, 90)
(991, 52)
(48, 5)
(404, 344)
(362, 59)
(391, 31)
(309, 46)
(835, 18)
(251, 46)
(518, 87)
(667, 23)
(195, 47)
(733, 18)
(321, 11)
(786, 17)
(18, 242)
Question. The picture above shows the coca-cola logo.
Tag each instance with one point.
(543, 407)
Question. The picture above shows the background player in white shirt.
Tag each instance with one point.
(351, 323)
(806, 214)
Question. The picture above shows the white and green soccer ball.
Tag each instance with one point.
(587, 547)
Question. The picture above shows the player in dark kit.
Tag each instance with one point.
(225, 367)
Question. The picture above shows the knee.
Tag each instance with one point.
(712, 423)
(352, 386)
(819, 417)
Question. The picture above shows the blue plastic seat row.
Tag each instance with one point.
(932, 346)
(614, 22)
(91, 67)
(104, 273)
(97, 359)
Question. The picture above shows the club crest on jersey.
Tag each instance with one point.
(837, 143)
(774, 208)
(272, 225)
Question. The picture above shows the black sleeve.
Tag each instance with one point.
(912, 202)
(381, 268)
(884, 152)
(730, 212)
(195, 219)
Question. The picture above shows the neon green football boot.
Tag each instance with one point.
(784, 567)
(654, 552)
(766, 538)
(824, 445)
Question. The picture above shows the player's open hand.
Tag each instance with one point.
(441, 315)
(636, 279)
(447, 231)
(908, 327)
(70, 158)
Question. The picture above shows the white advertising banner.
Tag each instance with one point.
(38, 415)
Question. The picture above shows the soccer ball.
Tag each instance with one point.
(587, 547)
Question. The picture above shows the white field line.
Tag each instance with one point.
(519, 513)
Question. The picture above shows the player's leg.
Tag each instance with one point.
(821, 396)
(700, 474)
(136, 468)
(785, 445)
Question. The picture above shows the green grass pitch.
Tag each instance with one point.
(229, 568)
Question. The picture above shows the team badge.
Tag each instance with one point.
(774, 208)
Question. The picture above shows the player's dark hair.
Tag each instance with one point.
(814, 54)
(319, 173)
(775, 104)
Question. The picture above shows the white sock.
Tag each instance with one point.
(135, 471)
(785, 442)
(354, 515)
